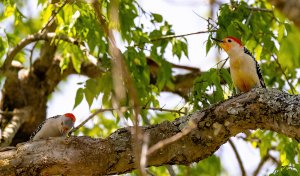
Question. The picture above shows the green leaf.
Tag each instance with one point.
(76, 64)
(89, 96)
(164, 75)
(285, 171)
(226, 76)
(281, 30)
(78, 98)
(157, 17)
(64, 63)
(184, 47)
(9, 10)
(208, 45)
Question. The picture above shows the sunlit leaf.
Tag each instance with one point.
(78, 98)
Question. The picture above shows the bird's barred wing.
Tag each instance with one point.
(40, 127)
(261, 79)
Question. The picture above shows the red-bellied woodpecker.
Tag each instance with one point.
(55, 126)
(244, 69)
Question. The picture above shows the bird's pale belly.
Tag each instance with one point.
(243, 81)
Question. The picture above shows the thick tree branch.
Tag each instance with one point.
(47, 37)
(260, 108)
(9, 132)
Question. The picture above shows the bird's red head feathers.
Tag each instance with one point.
(235, 39)
(71, 116)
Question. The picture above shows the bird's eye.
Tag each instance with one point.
(229, 40)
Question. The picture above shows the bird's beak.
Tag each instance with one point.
(217, 40)
(222, 44)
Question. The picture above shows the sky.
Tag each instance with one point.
(184, 16)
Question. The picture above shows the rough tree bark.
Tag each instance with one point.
(259, 108)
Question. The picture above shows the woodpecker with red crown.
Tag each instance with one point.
(244, 69)
(56, 126)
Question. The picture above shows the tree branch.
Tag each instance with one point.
(9, 132)
(292, 88)
(98, 111)
(238, 157)
(47, 37)
(259, 108)
(182, 35)
(260, 165)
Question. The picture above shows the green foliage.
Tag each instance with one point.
(208, 87)
(210, 166)
(3, 48)
(288, 149)
(286, 171)
(93, 88)
(102, 126)
(160, 117)
(179, 47)
(289, 53)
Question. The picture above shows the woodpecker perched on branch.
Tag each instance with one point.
(244, 69)
(55, 126)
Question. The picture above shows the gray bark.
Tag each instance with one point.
(259, 108)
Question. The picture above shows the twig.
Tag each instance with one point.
(285, 76)
(182, 35)
(209, 24)
(53, 16)
(175, 36)
(98, 111)
(30, 57)
(121, 75)
(166, 110)
(249, 17)
(89, 118)
(237, 157)
(259, 9)
(263, 161)
(171, 170)
(47, 37)
(171, 139)
(278, 163)
(225, 61)
(143, 160)
(260, 165)
(189, 68)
